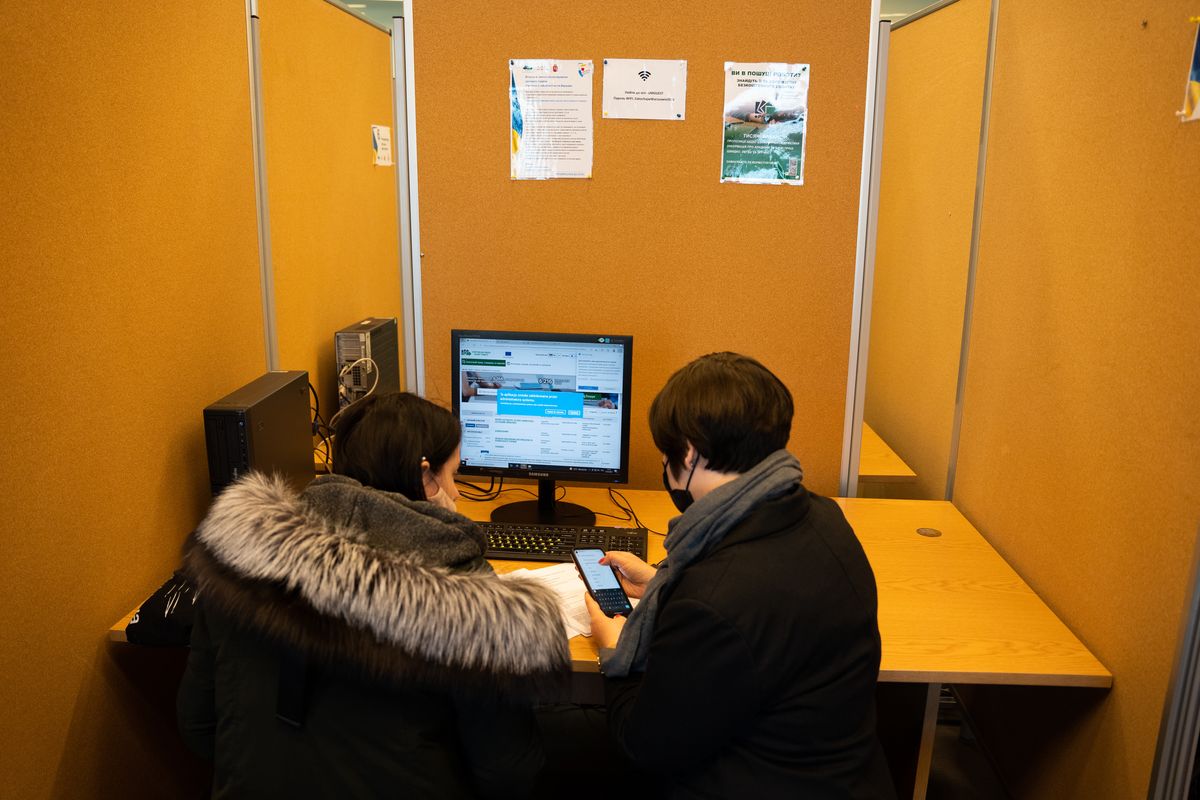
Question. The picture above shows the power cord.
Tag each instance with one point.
(344, 390)
(622, 502)
(480, 494)
(483, 494)
(323, 450)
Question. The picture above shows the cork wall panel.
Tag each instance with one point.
(334, 228)
(131, 302)
(653, 245)
(936, 69)
(1080, 454)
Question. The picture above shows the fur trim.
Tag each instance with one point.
(268, 559)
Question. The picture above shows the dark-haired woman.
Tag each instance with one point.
(352, 640)
(748, 669)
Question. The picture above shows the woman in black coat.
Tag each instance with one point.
(352, 641)
(749, 667)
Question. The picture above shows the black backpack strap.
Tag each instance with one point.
(293, 675)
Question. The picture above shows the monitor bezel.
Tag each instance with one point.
(565, 474)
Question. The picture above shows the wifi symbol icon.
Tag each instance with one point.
(643, 75)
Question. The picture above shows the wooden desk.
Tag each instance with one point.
(951, 610)
(878, 463)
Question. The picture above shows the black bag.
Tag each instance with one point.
(165, 618)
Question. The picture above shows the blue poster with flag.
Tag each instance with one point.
(1191, 103)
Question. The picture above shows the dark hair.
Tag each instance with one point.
(380, 441)
(731, 408)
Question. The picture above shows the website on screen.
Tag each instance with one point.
(526, 404)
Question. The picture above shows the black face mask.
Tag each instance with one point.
(682, 498)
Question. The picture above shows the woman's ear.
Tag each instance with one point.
(429, 483)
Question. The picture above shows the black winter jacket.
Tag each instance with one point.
(760, 679)
(353, 643)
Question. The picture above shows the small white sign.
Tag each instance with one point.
(644, 88)
(381, 142)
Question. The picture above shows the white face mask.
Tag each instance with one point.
(439, 498)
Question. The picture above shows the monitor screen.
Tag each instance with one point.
(541, 405)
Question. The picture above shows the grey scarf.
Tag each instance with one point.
(689, 538)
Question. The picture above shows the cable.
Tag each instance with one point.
(371, 367)
(322, 450)
(627, 507)
(479, 494)
(629, 516)
(320, 429)
(344, 390)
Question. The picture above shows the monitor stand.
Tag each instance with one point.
(545, 510)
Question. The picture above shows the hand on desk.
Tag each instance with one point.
(605, 630)
(632, 572)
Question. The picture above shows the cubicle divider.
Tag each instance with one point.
(334, 228)
(1080, 442)
(131, 301)
(935, 95)
(652, 245)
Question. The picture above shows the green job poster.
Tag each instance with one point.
(766, 123)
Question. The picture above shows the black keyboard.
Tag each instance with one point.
(506, 540)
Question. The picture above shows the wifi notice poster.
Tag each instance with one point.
(644, 89)
(766, 123)
(551, 129)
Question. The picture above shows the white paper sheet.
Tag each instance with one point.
(381, 141)
(551, 118)
(564, 581)
(644, 89)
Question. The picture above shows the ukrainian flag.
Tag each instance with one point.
(1191, 103)
(518, 122)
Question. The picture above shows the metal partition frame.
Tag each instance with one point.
(860, 337)
(973, 261)
(405, 103)
(1175, 754)
(864, 266)
(266, 271)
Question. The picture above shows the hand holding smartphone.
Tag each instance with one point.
(601, 581)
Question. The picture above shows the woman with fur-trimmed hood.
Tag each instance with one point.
(351, 640)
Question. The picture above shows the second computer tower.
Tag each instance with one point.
(264, 426)
(376, 339)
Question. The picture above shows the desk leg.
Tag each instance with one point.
(928, 731)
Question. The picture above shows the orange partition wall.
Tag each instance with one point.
(1080, 448)
(334, 230)
(131, 301)
(935, 80)
(653, 245)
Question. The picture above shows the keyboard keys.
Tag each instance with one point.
(555, 542)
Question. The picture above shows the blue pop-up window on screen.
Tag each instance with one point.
(514, 402)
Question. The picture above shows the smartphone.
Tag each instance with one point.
(601, 581)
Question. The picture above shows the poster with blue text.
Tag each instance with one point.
(766, 123)
(551, 118)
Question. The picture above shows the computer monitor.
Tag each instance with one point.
(550, 406)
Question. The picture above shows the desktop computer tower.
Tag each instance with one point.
(374, 338)
(264, 426)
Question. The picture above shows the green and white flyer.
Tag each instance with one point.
(766, 122)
